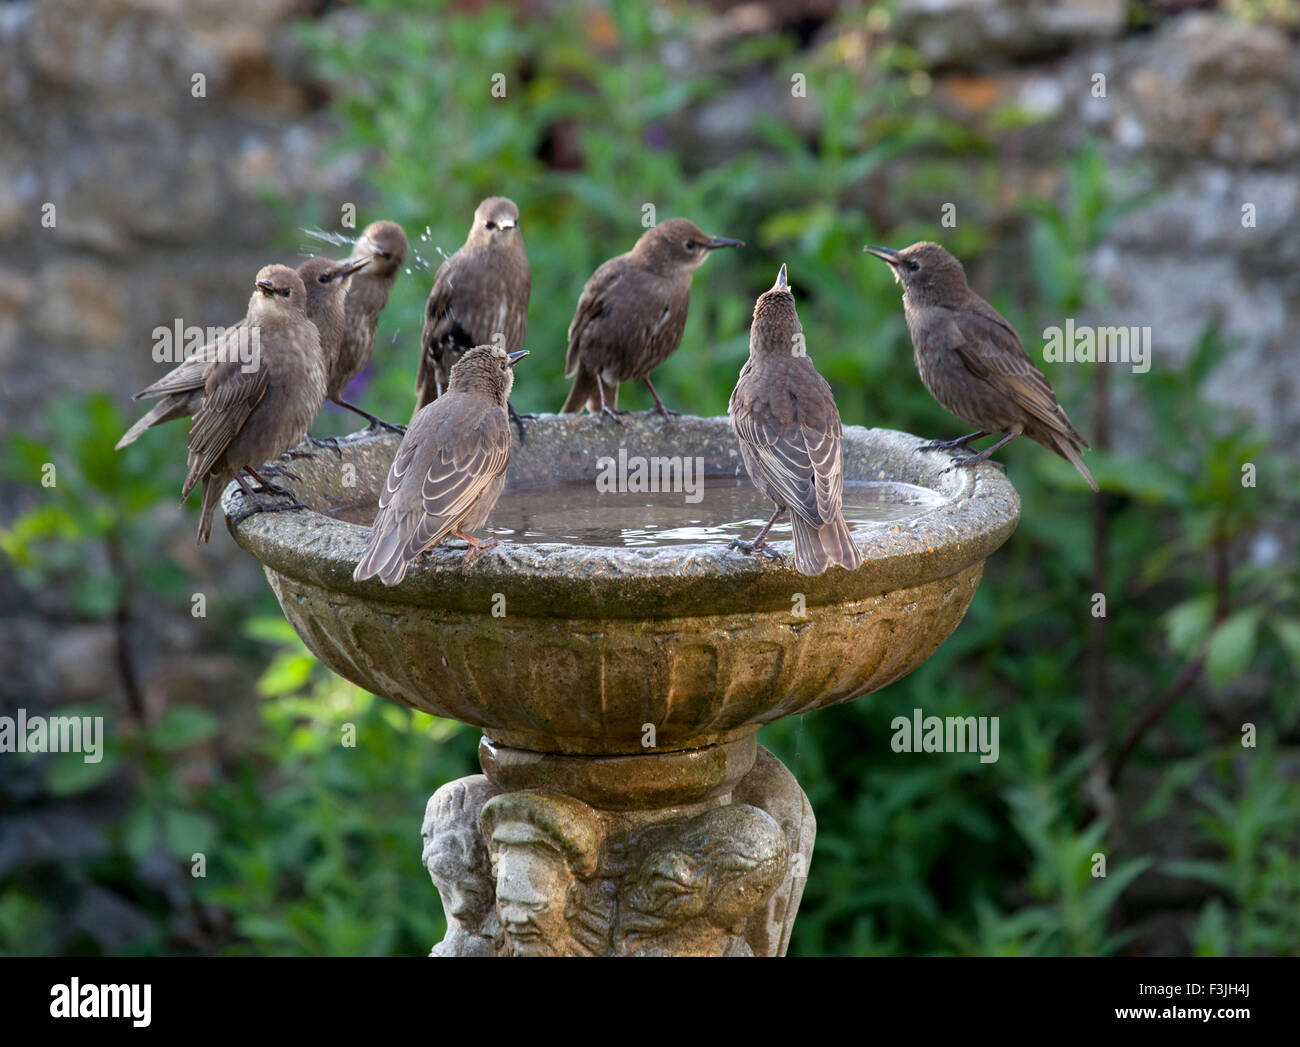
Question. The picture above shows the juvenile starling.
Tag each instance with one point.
(631, 315)
(785, 417)
(478, 293)
(972, 362)
(252, 410)
(181, 388)
(449, 469)
(386, 244)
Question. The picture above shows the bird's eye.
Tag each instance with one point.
(914, 266)
(691, 245)
(385, 254)
(503, 365)
(491, 224)
(324, 278)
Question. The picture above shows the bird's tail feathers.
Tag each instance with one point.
(164, 411)
(586, 393)
(816, 548)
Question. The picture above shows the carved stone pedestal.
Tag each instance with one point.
(697, 853)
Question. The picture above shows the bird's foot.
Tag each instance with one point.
(476, 546)
(256, 507)
(269, 488)
(294, 453)
(758, 546)
(377, 424)
(325, 441)
(952, 445)
(610, 412)
(667, 413)
(973, 459)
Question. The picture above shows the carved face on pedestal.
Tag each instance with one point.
(533, 899)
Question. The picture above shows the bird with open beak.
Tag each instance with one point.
(631, 315)
(254, 409)
(972, 361)
(479, 295)
(785, 418)
(449, 469)
(181, 389)
(386, 245)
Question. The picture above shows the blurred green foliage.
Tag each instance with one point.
(313, 844)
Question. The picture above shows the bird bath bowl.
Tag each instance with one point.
(619, 658)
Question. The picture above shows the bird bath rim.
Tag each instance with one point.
(978, 513)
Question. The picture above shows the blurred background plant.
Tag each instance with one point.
(1121, 733)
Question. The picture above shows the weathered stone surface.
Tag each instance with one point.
(980, 32)
(80, 301)
(697, 640)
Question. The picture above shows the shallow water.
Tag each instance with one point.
(726, 507)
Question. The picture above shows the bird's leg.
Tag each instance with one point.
(518, 419)
(952, 445)
(975, 459)
(605, 409)
(476, 546)
(759, 544)
(256, 505)
(667, 415)
(375, 423)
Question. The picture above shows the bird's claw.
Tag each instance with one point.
(667, 413)
(270, 488)
(749, 548)
(392, 427)
(326, 441)
(256, 507)
(610, 412)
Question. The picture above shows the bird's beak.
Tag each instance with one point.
(266, 287)
(884, 254)
(781, 282)
(723, 241)
(351, 266)
(514, 358)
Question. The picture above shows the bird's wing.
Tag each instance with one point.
(991, 350)
(435, 309)
(462, 465)
(803, 465)
(189, 374)
(229, 396)
(591, 305)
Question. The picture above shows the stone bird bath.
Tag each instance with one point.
(625, 807)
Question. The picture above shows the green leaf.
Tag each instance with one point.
(1232, 646)
(1187, 623)
(70, 774)
(182, 726)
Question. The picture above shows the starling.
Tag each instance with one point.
(252, 411)
(632, 313)
(386, 244)
(789, 431)
(479, 293)
(449, 469)
(181, 388)
(972, 362)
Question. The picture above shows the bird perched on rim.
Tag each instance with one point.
(449, 468)
(478, 293)
(386, 245)
(631, 315)
(259, 404)
(181, 389)
(789, 430)
(972, 361)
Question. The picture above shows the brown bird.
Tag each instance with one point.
(789, 430)
(257, 406)
(449, 469)
(479, 293)
(181, 388)
(971, 360)
(386, 244)
(631, 315)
